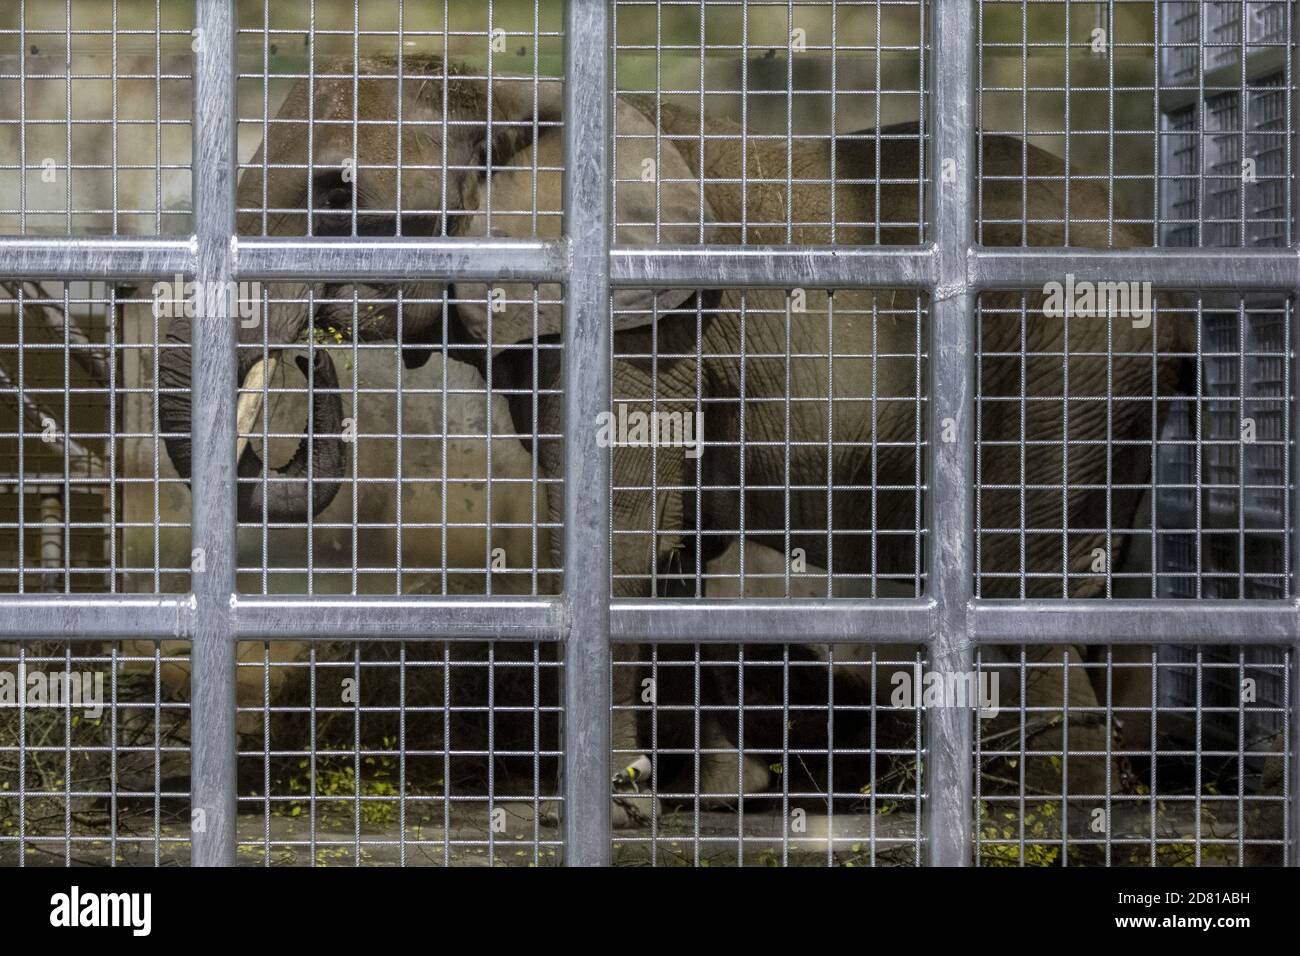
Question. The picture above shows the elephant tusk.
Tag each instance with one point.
(250, 402)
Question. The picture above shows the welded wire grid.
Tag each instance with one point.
(1243, 133)
(769, 443)
(389, 118)
(1172, 119)
(1221, 126)
(95, 117)
(94, 753)
(1123, 756)
(88, 499)
(422, 753)
(774, 755)
(771, 121)
(432, 445)
(1134, 455)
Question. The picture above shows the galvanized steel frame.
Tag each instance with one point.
(951, 268)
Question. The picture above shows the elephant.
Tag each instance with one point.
(426, 456)
(694, 337)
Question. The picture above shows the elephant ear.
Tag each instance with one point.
(677, 199)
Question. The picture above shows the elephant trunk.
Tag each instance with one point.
(174, 381)
(283, 496)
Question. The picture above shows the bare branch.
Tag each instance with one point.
(87, 354)
(36, 417)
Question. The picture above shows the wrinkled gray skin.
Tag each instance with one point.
(719, 335)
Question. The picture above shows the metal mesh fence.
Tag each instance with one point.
(769, 443)
(782, 754)
(1131, 756)
(374, 120)
(95, 117)
(1138, 449)
(398, 423)
(380, 753)
(423, 446)
(94, 753)
(759, 122)
(90, 502)
(1172, 120)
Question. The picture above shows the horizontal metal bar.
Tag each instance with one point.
(328, 617)
(336, 617)
(1190, 269)
(988, 268)
(40, 617)
(1136, 622)
(24, 257)
(771, 622)
(397, 260)
(915, 621)
(696, 266)
(772, 266)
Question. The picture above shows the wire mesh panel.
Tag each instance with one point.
(94, 753)
(769, 122)
(389, 118)
(762, 418)
(1123, 756)
(1235, 125)
(89, 502)
(425, 449)
(775, 755)
(1133, 450)
(95, 117)
(768, 443)
(418, 753)
(1134, 123)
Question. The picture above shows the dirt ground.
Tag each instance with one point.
(678, 839)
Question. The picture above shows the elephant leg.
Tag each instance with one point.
(646, 528)
(765, 578)
(1130, 695)
(765, 569)
(636, 553)
(1065, 730)
(631, 768)
(727, 775)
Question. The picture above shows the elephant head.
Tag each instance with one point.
(451, 172)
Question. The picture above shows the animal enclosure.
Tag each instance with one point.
(652, 432)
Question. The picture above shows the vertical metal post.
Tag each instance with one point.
(212, 797)
(1291, 758)
(951, 463)
(1291, 741)
(587, 360)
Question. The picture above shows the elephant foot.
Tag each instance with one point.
(720, 775)
(721, 769)
(1082, 770)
